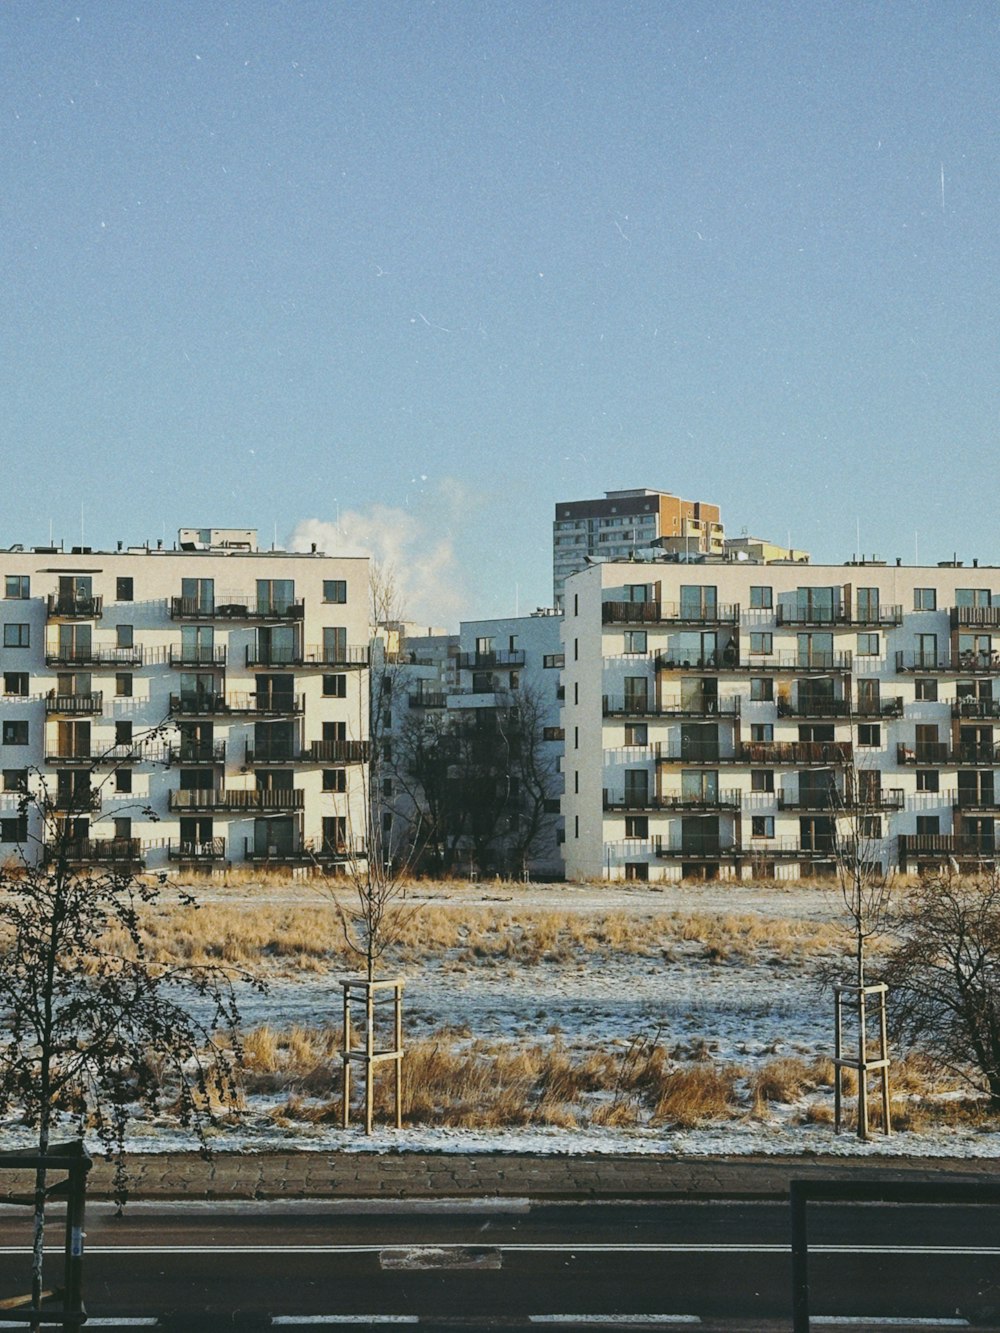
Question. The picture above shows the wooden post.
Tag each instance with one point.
(346, 1117)
(862, 1065)
(884, 1056)
(369, 1056)
(398, 1008)
(838, 1054)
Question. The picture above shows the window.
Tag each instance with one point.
(335, 779)
(870, 826)
(123, 779)
(554, 661)
(482, 682)
(15, 682)
(15, 733)
(635, 871)
(868, 645)
(334, 643)
(576, 693)
(387, 786)
(635, 640)
(761, 642)
(972, 597)
(553, 734)
(928, 823)
(761, 779)
(123, 636)
(637, 826)
(123, 684)
(928, 779)
(334, 590)
(16, 635)
(123, 733)
(762, 689)
(762, 826)
(926, 689)
(636, 733)
(761, 598)
(925, 599)
(275, 597)
(576, 738)
(335, 687)
(761, 731)
(870, 734)
(123, 589)
(15, 779)
(17, 585)
(14, 830)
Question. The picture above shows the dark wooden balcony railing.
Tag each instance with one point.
(59, 606)
(197, 752)
(75, 704)
(669, 613)
(207, 849)
(501, 657)
(234, 799)
(99, 851)
(234, 606)
(940, 753)
(943, 847)
(833, 753)
(337, 752)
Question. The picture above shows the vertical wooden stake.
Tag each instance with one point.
(369, 1057)
(838, 1051)
(398, 1006)
(884, 1055)
(347, 1059)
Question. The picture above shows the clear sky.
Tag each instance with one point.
(409, 273)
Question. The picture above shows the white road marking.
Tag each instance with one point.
(345, 1319)
(882, 1321)
(614, 1319)
(418, 1258)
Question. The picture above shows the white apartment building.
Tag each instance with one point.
(194, 707)
(493, 672)
(720, 718)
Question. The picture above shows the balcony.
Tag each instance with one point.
(795, 753)
(61, 607)
(198, 705)
(336, 752)
(943, 755)
(96, 851)
(952, 664)
(791, 849)
(833, 803)
(491, 661)
(972, 617)
(73, 705)
(758, 664)
(616, 706)
(815, 708)
(75, 655)
(303, 853)
(668, 613)
(937, 848)
(257, 703)
(427, 699)
(722, 801)
(272, 752)
(197, 752)
(80, 802)
(707, 852)
(314, 657)
(235, 606)
(679, 753)
(197, 657)
(887, 708)
(973, 801)
(973, 708)
(75, 755)
(212, 800)
(841, 617)
(197, 853)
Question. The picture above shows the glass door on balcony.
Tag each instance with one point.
(816, 833)
(928, 748)
(815, 650)
(699, 694)
(869, 697)
(700, 741)
(637, 787)
(700, 786)
(73, 684)
(73, 740)
(867, 599)
(975, 790)
(73, 790)
(636, 694)
(198, 688)
(75, 642)
(275, 596)
(927, 650)
(274, 836)
(817, 789)
(197, 832)
(972, 597)
(975, 742)
(274, 742)
(276, 692)
(698, 602)
(196, 742)
(816, 696)
(815, 605)
(335, 644)
(980, 833)
(76, 592)
(334, 835)
(700, 835)
(276, 645)
(198, 644)
(197, 596)
(275, 779)
(974, 650)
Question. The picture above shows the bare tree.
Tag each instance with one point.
(97, 1031)
(945, 975)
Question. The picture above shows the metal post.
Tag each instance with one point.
(800, 1259)
(75, 1205)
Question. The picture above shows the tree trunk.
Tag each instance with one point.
(38, 1235)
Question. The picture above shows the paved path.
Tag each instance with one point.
(414, 1175)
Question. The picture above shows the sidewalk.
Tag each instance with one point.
(413, 1175)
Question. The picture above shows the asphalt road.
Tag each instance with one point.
(515, 1264)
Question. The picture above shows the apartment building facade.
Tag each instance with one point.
(491, 695)
(730, 719)
(185, 709)
(624, 522)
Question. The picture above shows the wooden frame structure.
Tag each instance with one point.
(367, 1053)
(860, 1063)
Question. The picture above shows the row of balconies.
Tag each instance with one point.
(312, 657)
(214, 753)
(732, 706)
(728, 658)
(733, 801)
(68, 606)
(130, 851)
(728, 613)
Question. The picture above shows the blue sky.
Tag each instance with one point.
(406, 274)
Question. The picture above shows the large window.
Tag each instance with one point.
(761, 597)
(16, 635)
(275, 596)
(15, 733)
(925, 599)
(334, 590)
(17, 585)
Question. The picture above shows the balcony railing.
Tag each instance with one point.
(272, 752)
(957, 664)
(759, 663)
(616, 706)
(256, 703)
(841, 617)
(197, 752)
(208, 849)
(69, 754)
(940, 847)
(868, 708)
(76, 655)
(835, 708)
(213, 799)
(61, 607)
(723, 800)
(700, 851)
(962, 799)
(300, 852)
(197, 656)
(234, 606)
(941, 753)
(831, 753)
(317, 657)
(669, 613)
(337, 752)
(75, 705)
(78, 802)
(97, 851)
(985, 708)
(427, 699)
(831, 802)
(501, 657)
(974, 616)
